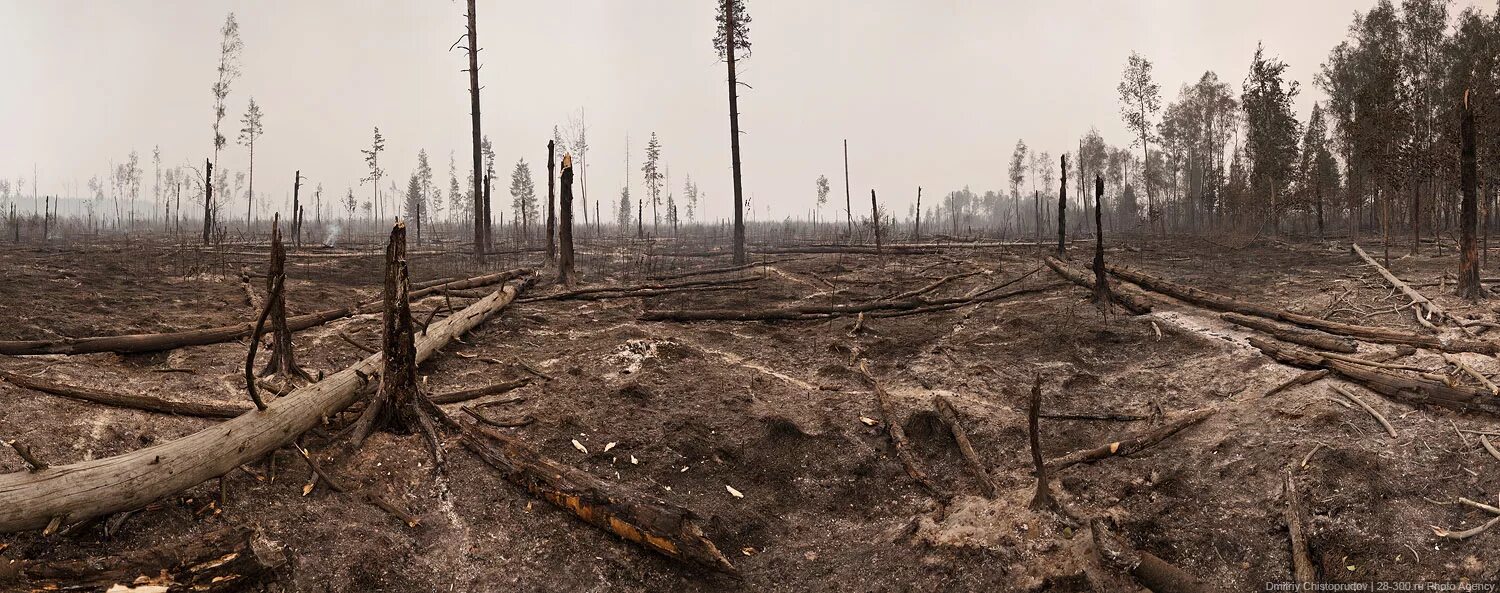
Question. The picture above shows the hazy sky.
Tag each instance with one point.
(928, 92)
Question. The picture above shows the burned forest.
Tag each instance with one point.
(1172, 297)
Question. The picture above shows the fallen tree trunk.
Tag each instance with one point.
(898, 438)
(1128, 297)
(1220, 302)
(227, 559)
(582, 292)
(135, 343)
(87, 489)
(1425, 309)
(709, 271)
(1296, 335)
(1401, 387)
(1131, 444)
(638, 518)
(126, 400)
(961, 438)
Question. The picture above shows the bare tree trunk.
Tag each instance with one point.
(480, 194)
(565, 232)
(208, 200)
(1468, 274)
(1101, 281)
(393, 406)
(485, 240)
(875, 220)
(734, 136)
(1062, 212)
(551, 192)
(849, 204)
(916, 233)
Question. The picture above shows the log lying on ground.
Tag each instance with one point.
(584, 293)
(961, 438)
(1303, 569)
(1133, 443)
(1155, 574)
(227, 559)
(1296, 335)
(710, 271)
(1425, 309)
(1128, 297)
(134, 343)
(816, 312)
(126, 400)
(1398, 386)
(88, 489)
(639, 518)
(934, 285)
(463, 395)
(1220, 302)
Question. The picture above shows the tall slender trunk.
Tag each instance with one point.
(208, 199)
(849, 205)
(1062, 212)
(551, 191)
(916, 232)
(1468, 276)
(479, 192)
(734, 136)
(875, 220)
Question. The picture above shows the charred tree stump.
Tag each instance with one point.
(551, 199)
(1062, 212)
(1043, 497)
(875, 220)
(283, 360)
(1468, 269)
(565, 232)
(1101, 281)
(393, 406)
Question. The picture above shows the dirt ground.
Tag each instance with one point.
(773, 410)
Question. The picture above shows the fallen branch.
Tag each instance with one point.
(463, 395)
(227, 559)
(877, 309)
(1470, 371)
(97, 487)
(1302, 565)
(1425, 309)
(710, 271)
(126, 400)
(1300, 379)
(626, 291)
(24, 452)
(961, 438)
(1391, 430)
(1133, 443)
(897, 436)
(638, 518)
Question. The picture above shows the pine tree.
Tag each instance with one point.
(523, 196)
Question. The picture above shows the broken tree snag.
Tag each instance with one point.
(125, 400)
(1302, 565)
(1468, 268)
(1398, 386)
(875, 220)
(392, 407)
(961, 438)
(1220, 302)
(1155, 574)
(1425, 309)
(283, 362)
(1296, 335)
(226, 559)
(96, 487)
(453, 397)
(1126, 296)
(1062, 211)
(565, 232)
(638, 518)
(1133, 443)
(551, 199)
(1101, 281)
(897, 435)
(1043, 497)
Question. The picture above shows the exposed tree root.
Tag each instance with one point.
(463, 395)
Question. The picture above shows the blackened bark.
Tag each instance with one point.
(565, 232)
(480, 195)
(551, 199)
(734, 136)
(208, 200)
(1468, 275)
(875, 220)
(1062, 212)
(1101, 281)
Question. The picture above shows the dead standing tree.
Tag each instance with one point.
(283, 362)
(875, 220)
(551, 193)
(1468, 274)
(733, 36)
(565, 232)
(395, 405)
(1101, 281)
(481, 194)
(1062, 212)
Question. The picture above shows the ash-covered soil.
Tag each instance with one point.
(774, 411)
